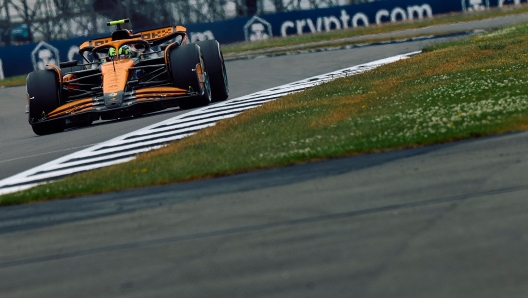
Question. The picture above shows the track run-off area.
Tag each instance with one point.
(440, 221)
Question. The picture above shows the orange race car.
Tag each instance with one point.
(127, 75)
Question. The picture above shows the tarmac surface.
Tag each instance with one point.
(440, 221)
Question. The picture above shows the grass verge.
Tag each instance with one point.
(13, 81)
(453, 91)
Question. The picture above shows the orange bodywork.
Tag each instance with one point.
(159, 93)
(72, 108)
(95, 42)
(115, 75)
(57, 70)
(200, 74)
(150, 35)
(70, 77)
(161, 32)
(166, 53)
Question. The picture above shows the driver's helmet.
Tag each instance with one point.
(127, 51)
(112, 53)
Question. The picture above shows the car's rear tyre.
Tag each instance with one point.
(43, 92)
(214, 61)
(183, 62)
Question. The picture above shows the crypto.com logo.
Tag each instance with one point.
(474, 5)
(44, 54)
(257, 29)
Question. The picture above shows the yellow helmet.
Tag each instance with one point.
(112, 53)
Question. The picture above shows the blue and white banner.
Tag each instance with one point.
(22, 59)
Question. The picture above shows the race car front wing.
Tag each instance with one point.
(99, 104)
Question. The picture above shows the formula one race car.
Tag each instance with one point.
(127, 75)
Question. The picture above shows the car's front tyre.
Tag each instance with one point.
(43, 93)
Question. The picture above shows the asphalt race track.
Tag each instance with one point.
(440, 221)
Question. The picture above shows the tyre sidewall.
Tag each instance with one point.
(43, 92)
(214, 62)
(182, 64)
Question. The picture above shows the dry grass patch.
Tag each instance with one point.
(342, 107)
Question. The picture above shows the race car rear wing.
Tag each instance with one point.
(161, 35)
(154, 37)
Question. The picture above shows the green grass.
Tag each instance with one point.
(454, 91)
(13, 81)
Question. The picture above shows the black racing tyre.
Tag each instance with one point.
(43, 92)
(182, 62)
(214, 62)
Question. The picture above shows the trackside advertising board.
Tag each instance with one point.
(22, 59)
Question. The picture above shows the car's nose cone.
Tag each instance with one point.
(113, 100)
